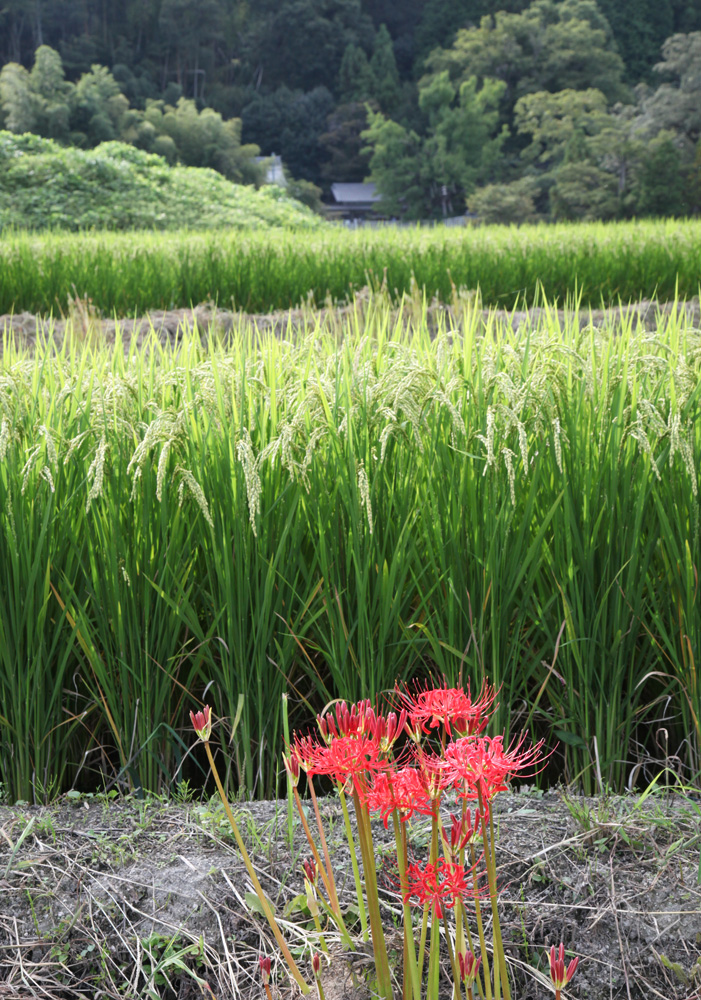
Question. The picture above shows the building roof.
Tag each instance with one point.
(351, 194)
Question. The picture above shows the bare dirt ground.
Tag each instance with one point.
(169, 325)
(104, 897)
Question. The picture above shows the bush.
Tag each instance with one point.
(118, 186)
(510, 204)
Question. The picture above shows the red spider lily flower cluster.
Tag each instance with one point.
(452, 708)
(559, 975)
(345, 758)
(405, 790)
(482, 765)
(202, 723)
(439, 884)
(362, 719)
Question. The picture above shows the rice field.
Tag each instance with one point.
(324, 516)
(125, 274)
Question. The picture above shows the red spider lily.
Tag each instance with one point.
(346, 758)
(433, 773)
(316, 964)
(452, 708)
(440, 884)
(349, 722)
(483, 764)
(404, 790)
(386, 729)
(202, 723)
(469, 966)
(264, 966)
(561, 977)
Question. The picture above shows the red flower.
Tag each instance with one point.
(483, 764)
(316, 964)
(439, 884)
(468, 967)
(348, 722)
(202, 722)
(344, 758)
(406, 791)
(452, 708)
(558, 974)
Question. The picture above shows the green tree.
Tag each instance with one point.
(506, 204)
(356, 81)
(396, 161)
(460, 148)
(555, 122)
(99, 109)
(301, 45)
(676, 105)
(53, 94)
(18, 99)
(659, 187)
(38, 101)
(582, 192)
(549, 46)
(343, 143)
(384, 70)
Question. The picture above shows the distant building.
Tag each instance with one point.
(352, 201)
(274, 172)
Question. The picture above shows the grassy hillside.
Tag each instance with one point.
(117, 186)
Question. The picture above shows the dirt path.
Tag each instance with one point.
(100, 891)
(169, 325)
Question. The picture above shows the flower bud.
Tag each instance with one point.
(202, 723)
(264, 966)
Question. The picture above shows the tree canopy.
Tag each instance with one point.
(491, 94)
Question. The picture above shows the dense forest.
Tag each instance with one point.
(516, 110)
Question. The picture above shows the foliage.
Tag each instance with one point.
(370, 510)
(461, 145)
(124, 273)
(116, 186)
(205, 88)
(94, 110)
(505, 204)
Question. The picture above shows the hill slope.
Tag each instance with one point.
(117, 186)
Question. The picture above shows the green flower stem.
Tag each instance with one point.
(422, 941)
(333, 895)
(433, 958)
(354, 863)
(317, 924)
(312, 845)
(290, 796)
(451, 955)
(501, 979)
(411, 970)
(480, 929)
(384, 979)
(291, 964)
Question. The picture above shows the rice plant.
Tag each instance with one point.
(128, 273)
(318, 515)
